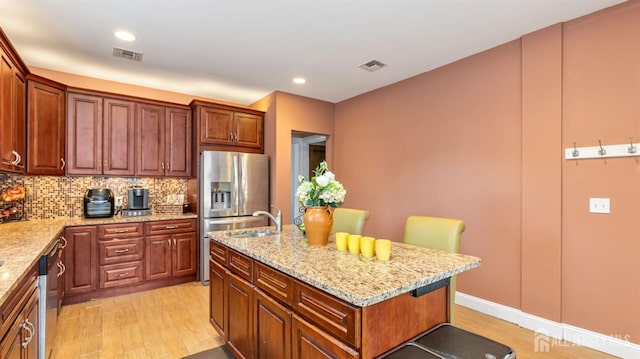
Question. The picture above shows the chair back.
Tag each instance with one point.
(434, 232)
(349, 220)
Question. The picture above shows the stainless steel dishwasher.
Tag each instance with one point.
(48, 271)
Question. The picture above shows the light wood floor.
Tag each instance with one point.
(165, 323)
(172, 322)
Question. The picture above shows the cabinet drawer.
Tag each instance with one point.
(278, 284)
(167, 227)
(121, 274)
(120, 250)
(241, 265)
(121, 230)
(337, 317)
(218, 253)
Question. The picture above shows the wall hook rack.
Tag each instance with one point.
(629, 149)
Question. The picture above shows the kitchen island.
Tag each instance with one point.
(276, 296)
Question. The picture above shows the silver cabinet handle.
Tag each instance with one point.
(174, 242)
(18, 158)
(120, 275)
(121, 230)
(62, 268)
(29, 328)
(63, 163)
(171, 227)
(64, 242)
(168, 168)
(106, 165)
(126, 250)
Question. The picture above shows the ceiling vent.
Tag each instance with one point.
(372, 65)
(127, 54)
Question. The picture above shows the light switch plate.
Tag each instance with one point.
(118, 201)
(599, 205)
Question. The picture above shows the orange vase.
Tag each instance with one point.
(317, 223)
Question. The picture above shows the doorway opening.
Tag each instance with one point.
(307, 151)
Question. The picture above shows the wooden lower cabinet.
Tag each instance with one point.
(271, 327)
(20, 320)
(120, 258)
(170, 255)
(240, 318)
(80, 259)
(264, 313)
(218, 298)
(310, 341)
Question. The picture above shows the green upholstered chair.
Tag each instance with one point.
(439, 233)
(349, 220)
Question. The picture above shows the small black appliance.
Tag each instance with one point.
(99, 203)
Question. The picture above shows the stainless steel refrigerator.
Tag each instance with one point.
(232, 186)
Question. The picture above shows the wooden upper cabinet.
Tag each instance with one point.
(13, 92)
(46, 127)
(118, 137)
(84, 134)
(100, 135)
(216, 126)
(150, 133)
(163, 146)
(178, 142)
(222, 127)
(248, 130)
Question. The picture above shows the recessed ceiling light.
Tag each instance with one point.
(299, 80)
(125, 35)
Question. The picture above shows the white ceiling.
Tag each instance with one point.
(239, 51)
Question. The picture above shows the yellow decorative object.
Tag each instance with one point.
(383, 249)
(367, 246)
(342, 239)
(354, 243)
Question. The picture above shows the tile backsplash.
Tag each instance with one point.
(50, 197)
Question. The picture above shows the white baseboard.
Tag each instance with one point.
(547, 331)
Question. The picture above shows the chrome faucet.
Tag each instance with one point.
(277, 219)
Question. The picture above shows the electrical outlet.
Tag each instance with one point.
(118, 201)
(599, 205)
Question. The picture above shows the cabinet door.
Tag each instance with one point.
(118, 137)
(12, 116)
(218, 298)
(178, 142)
(84, 134)
(184, 254)
(271, 327)
(310, 341)
(158, 257)
(11, 344)
(248, 130)
(46, 134)
(150, 137)
(216, 126)
(30, 351)
(240, 328)
(80, 259)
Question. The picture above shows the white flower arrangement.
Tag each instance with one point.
(321, 190)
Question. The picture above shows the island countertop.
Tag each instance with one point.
(353, 278)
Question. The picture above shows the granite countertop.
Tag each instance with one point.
(355, 279)
(23, 242)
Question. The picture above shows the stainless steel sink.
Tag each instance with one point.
(253, 234)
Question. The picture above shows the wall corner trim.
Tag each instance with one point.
(546, 330)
